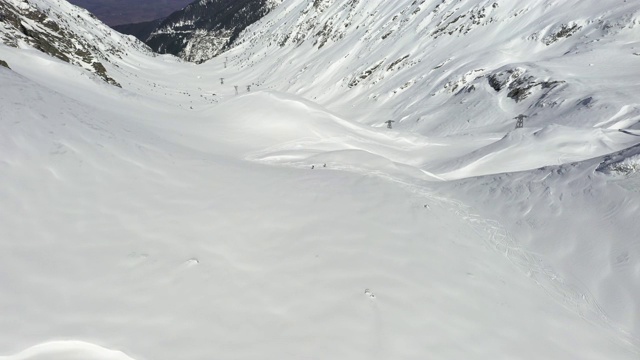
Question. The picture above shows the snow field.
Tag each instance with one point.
(117, 231)
(151, 220)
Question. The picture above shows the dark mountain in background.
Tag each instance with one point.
(140, 30)
(118, 12)
(206, 28)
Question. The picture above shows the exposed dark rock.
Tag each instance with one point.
(365, 74)
(34, 27)
(519, 84)
(4, 64)
(499, 80)
(495, 83)
(587, 102)
(206, 28)
(393, 64)
(565, 31)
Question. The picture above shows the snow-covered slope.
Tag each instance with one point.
(171, 218)
(582, 222)
(448, 67)
(139, 227)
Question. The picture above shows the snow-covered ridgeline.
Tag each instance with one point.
(429, 64)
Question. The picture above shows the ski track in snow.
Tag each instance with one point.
(575, 297)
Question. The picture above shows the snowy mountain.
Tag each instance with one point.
(412, 61)
(257, 206)
(66, 32)
(206, 28)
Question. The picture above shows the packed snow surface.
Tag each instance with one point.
(180, 217)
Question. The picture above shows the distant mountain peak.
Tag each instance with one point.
(66, 32)
(206, 28)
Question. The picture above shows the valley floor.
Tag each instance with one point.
(174, 219)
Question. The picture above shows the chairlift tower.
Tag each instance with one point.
(520, 121)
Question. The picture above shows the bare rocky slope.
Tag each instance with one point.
(206, 28)
(66, 32)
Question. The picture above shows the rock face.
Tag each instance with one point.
(118, 12)
(206, 28)
(65, 32)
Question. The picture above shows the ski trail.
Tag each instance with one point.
(573, 296)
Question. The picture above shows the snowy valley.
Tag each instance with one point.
(260, 205)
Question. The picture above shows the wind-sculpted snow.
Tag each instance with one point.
(291, 140)
(143, 227)
(581, 222)
(265, 208)
(530, 149)
(67, 350)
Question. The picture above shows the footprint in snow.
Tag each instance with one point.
(192, 262)
(368, 293)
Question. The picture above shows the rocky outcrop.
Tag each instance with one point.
(206, 28)
(24, 22)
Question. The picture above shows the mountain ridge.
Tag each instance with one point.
(66, 32)
(206, 28)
